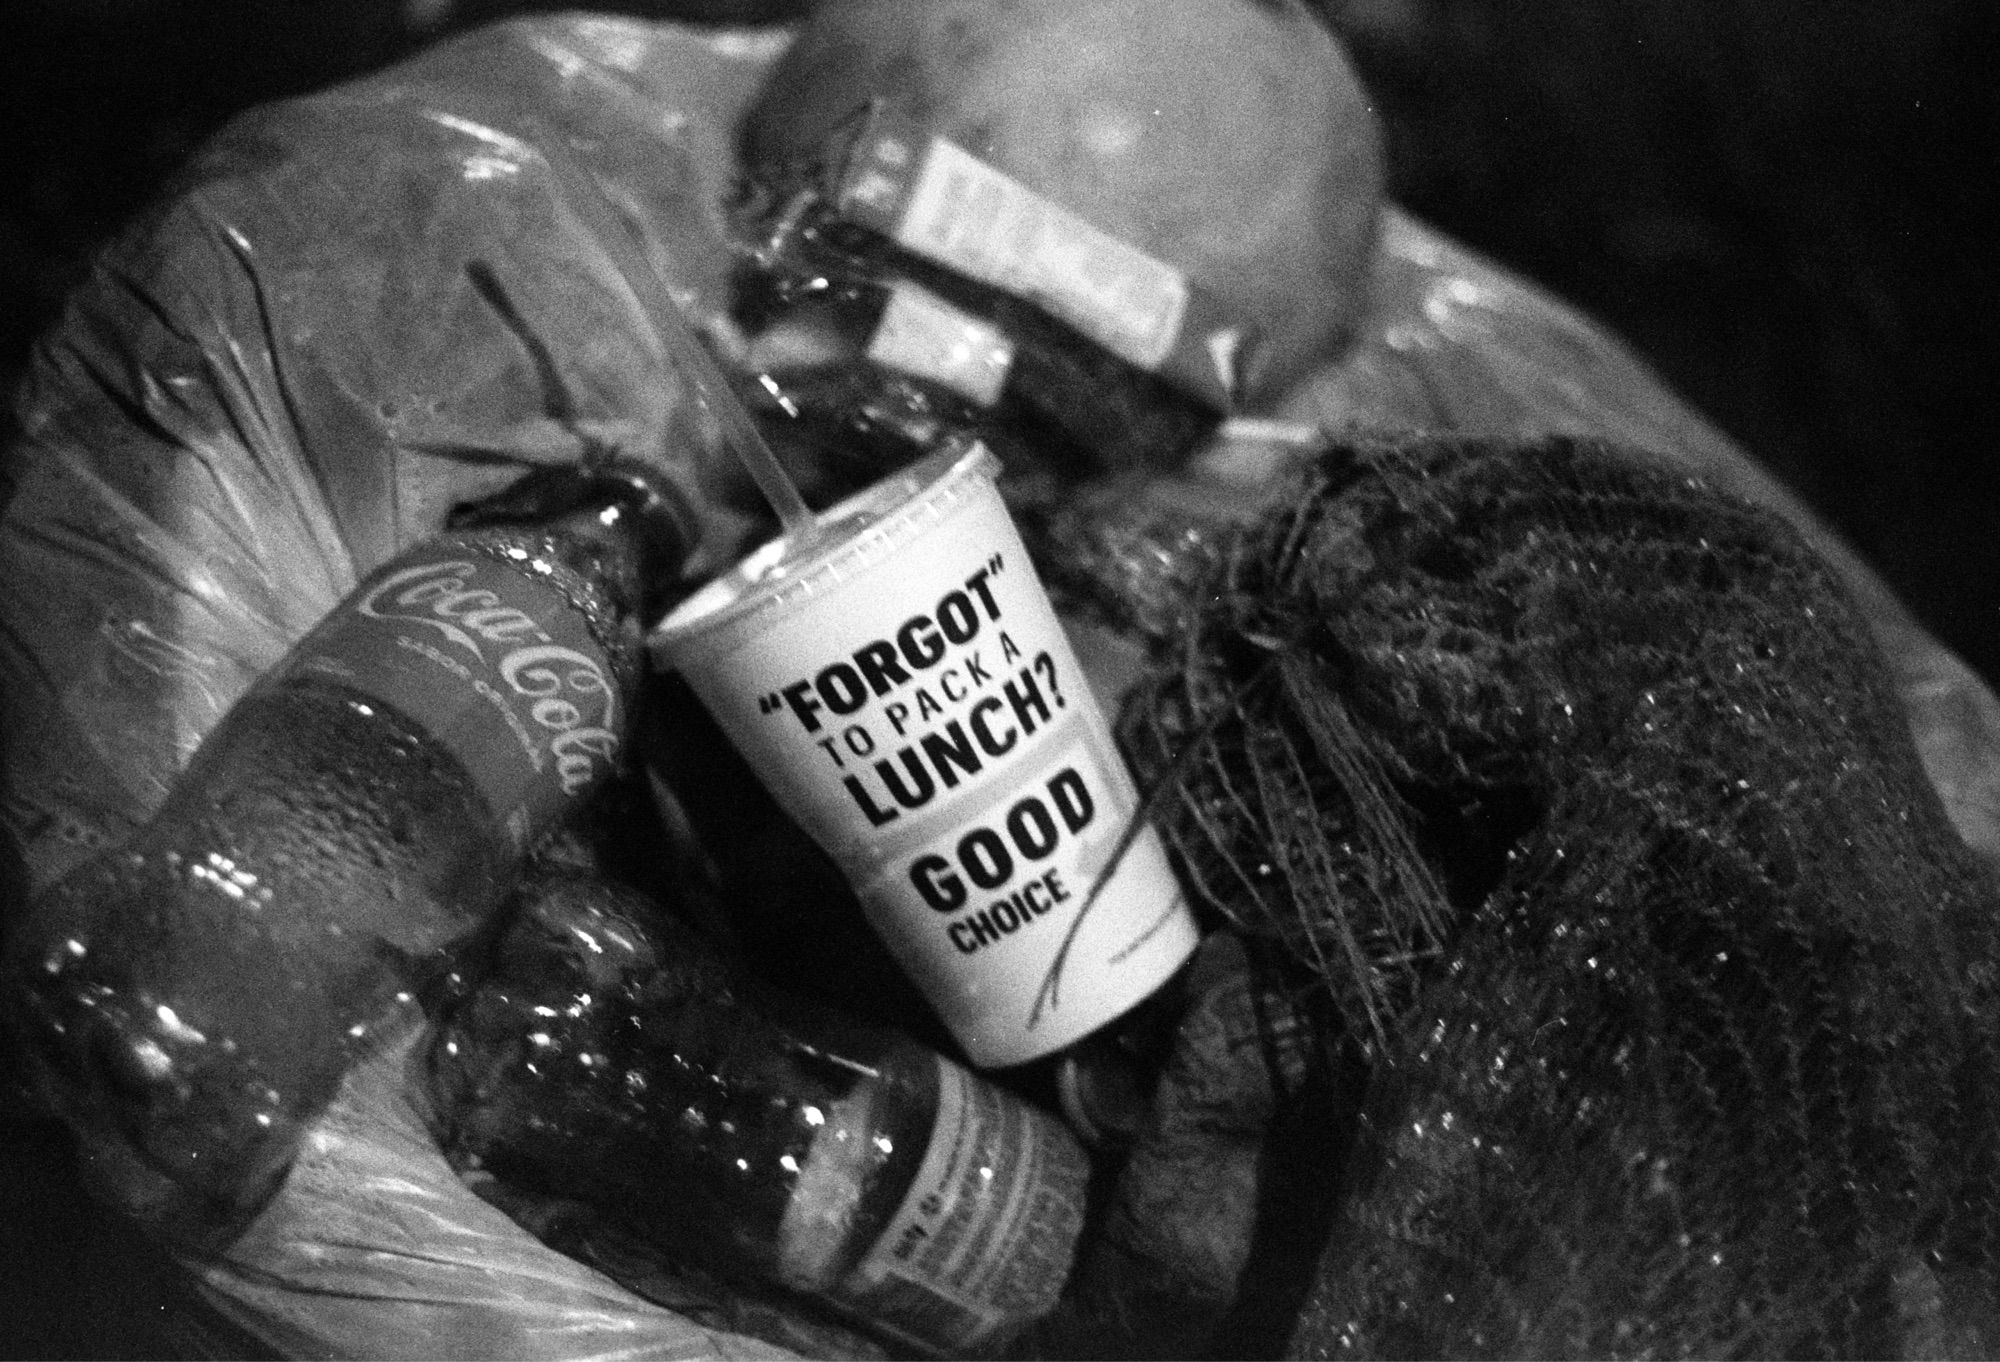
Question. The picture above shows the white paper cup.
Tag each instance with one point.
(905, 690)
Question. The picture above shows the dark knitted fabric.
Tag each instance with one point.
(1583, 794)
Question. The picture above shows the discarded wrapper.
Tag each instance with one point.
(939, 201)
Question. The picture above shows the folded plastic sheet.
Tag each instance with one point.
(361, 307)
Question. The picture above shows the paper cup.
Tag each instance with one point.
(905, 690)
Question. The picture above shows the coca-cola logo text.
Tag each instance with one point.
(569, 694)
(573, 698)
(436, 596)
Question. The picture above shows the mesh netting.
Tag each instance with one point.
(1584, 794)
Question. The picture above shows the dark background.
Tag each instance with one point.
(1787, 205)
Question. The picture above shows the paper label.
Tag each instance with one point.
(984, 1235)
(922, 335)
(499, 669)
(962, 213)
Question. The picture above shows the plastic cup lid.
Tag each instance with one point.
(857, 534)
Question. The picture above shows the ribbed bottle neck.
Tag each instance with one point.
(630, 511)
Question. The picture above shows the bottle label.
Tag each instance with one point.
(499, 669)
(922, 335)
(984, 1236)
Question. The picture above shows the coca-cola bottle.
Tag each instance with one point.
(612, 1059)
(192, 997)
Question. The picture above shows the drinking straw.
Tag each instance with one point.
(691, 358)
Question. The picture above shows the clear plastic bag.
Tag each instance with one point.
(288, 371)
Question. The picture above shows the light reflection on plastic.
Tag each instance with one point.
(489, 168)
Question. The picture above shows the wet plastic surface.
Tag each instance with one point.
(287, 372)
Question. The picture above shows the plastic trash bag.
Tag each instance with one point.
(354, 311)
(358, 308)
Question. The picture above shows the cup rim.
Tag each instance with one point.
(906, 502)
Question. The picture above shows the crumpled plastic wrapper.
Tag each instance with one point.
(297, 362)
